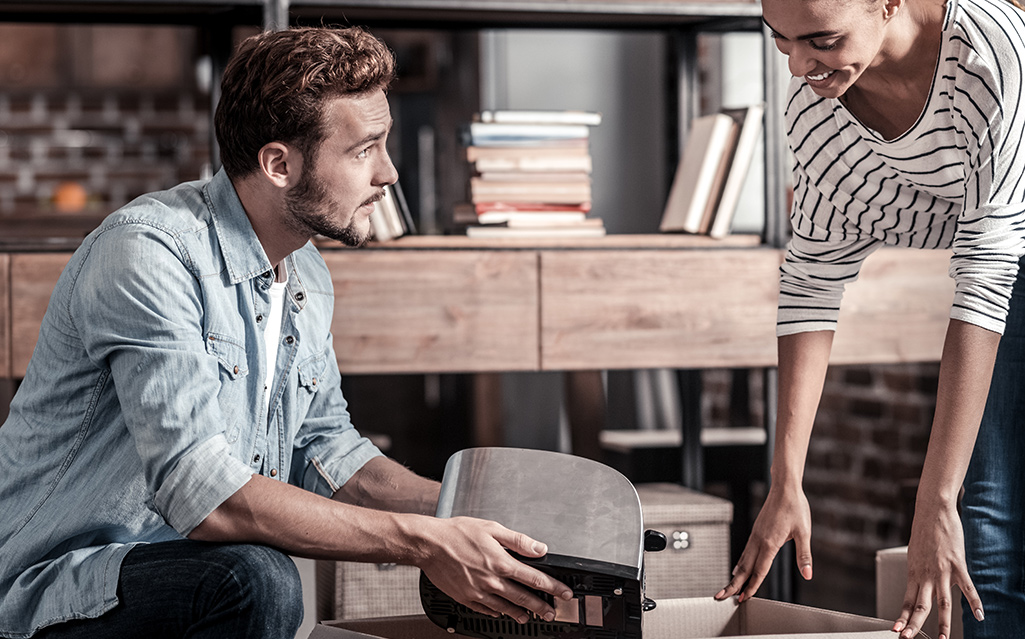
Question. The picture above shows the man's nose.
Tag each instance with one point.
(386, 172)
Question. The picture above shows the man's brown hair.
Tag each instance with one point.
(276, 84)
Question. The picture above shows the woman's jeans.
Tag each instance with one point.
(993, 506)
(192, 589)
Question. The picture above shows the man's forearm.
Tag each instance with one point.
(385, 484)
(301, 523)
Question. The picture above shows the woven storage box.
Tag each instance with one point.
(349, 590)
(696, 560)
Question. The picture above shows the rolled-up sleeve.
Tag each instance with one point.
(204, 477)
(139, 311)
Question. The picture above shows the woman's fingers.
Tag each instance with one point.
(970, 593)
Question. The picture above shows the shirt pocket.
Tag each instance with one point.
(233, 369)
(310, 374)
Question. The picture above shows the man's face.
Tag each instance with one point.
(338, 187)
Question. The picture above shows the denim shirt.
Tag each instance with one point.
(142, 408)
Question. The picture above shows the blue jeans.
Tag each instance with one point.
(198, 590)
(993, 507)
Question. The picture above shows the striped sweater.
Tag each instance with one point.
(955, 180)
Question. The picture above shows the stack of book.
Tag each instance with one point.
(531, 174)
(711, 173)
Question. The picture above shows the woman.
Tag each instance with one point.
(904, 117)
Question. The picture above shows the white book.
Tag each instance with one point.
(531, 218)
(700, 174)
(557, 231)
(539, 164)
(589, 118)
(519, 133)
(750, 120)
(386, 219)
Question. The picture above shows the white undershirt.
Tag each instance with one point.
(272, 333)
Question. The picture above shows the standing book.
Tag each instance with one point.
(390, 218)
(750, 121)
(700, 175)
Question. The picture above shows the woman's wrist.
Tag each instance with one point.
(786, 477)
(937, 498)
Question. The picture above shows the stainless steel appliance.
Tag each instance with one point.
(587, 513)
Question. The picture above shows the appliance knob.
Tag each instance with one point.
(654, 541)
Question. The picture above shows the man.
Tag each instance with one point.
(181, 421)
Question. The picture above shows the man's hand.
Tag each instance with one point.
(468, 559)
(936, 559)
(784, 516)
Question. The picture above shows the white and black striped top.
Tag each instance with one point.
(956, 179)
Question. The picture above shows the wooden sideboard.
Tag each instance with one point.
(452, 304)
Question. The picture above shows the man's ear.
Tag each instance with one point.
(280, 164)
(891, 7)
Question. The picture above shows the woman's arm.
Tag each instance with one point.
(803, 359)
(936, 555)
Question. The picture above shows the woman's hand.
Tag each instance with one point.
(468, 560)
(936, 561)
(784, 516)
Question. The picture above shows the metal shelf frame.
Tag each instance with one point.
(684, 20)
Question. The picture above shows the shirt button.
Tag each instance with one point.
(236, 370)
(289, 339)
(259, 318)
(274, 472)
(267, 274)
(256, 458)
(314, 381)
(300, 296)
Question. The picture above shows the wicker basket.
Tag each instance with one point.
(348, 590)
(696, 560)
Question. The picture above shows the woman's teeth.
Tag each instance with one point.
(817, 78)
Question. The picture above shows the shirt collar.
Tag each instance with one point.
(243, 254)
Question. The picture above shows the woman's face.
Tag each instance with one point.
(830, 43)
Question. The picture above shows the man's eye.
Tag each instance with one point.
(822, 47)
(364, 153)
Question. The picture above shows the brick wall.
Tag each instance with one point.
(866, 456)
(93, 116)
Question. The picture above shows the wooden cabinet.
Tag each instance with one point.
(5, 316)
(454, 305)
(31, 280)
(897, 311)
(658, 309)
(435, 310)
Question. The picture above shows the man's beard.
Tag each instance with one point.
(308, 211)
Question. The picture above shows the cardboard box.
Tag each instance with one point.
(696, 561)
(892, 581)
(697, 618)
